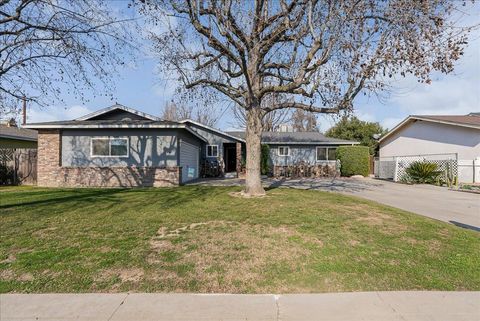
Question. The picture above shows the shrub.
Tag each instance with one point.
(354, 160)
(264, 160)
(422, 173)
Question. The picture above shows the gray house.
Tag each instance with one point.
(120, 146)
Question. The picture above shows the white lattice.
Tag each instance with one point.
(445, 162)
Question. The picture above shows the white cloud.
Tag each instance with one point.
(56, 113)
(456, 93)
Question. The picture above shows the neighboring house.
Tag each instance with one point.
(120, 146)
(420, 135)
(13, 137)
(289, 148)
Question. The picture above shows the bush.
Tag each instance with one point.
(422, 173)
(354, 160)
(264, 160)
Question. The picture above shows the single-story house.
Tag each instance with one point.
(120, 146)
(437, 137)
(12, 136)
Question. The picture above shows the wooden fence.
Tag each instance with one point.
(18, 166)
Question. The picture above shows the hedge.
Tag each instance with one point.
(354, 160)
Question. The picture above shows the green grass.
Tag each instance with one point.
(201, 239)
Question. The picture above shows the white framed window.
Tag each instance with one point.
(212, 150)
(283, 151)
(326, 153)
(109, 147)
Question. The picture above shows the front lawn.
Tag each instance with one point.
(201, 239)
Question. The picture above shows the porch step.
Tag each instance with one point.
(231, 175)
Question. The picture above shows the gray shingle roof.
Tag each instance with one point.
(296, 138)
(114, 122)
(18, 133)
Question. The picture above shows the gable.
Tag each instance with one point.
(118, 114)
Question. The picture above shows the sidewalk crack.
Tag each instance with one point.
(116, 309)
(390, 306)
(277, 303)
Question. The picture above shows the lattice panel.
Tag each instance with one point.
(6, 155)
(443, 164)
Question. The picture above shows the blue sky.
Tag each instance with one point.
(140, 86)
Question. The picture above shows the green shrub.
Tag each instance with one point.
(354, 160)
(264, 160)
(422, 173)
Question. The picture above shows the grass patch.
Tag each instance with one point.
(200, 239)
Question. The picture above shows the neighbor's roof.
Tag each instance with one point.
(471, 120)
(291, 138)
(18, 133)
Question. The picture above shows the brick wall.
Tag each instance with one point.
(52, 174)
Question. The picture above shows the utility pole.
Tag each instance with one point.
(24, 111)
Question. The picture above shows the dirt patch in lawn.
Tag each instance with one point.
(220, 256)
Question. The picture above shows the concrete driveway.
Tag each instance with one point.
(372, 306)
(459, 208)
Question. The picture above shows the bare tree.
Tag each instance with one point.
(318, 54)
(175, 112)
(271, 121)
(304, 121)
(47, 43)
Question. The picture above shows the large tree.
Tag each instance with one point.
(315, 55)
(45, 44)
(352, 128)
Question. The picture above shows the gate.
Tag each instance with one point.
(18, 166)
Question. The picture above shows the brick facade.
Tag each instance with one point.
(52, 174)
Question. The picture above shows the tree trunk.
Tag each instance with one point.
(253, 183)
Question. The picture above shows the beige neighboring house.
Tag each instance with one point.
(12, 136)
(436, 135)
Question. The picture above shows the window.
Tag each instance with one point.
(326, 153)
(109, 147)
(212, 150)
(283, 151)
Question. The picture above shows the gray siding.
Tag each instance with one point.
(298, 153)
(148, 147)
(213, 138)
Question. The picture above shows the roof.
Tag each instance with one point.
(218, 131)
(18, 133)
(471, 120)
(114, 123)
(302, 138)
(117, 107)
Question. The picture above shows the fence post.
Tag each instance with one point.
(395, 173)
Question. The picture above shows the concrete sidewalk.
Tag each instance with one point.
(372, 306)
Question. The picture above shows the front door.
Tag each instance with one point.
(230, 152)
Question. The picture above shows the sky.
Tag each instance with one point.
(139, 85)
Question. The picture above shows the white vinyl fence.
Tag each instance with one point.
(394, 168)
(469, 171)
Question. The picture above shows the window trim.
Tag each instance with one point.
(326, 154)
(109, 138)
(206, 151)
(282, 155)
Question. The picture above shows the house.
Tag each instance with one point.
(290, 148)
(120, 146)
(12, 136)
(437, 137)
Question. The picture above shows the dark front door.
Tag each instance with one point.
(230, 153)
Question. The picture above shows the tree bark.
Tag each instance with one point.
(253, 182)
